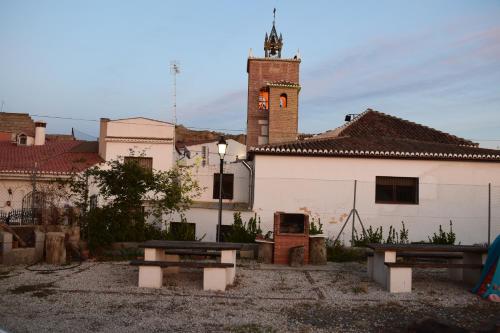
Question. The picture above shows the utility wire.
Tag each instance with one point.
(192, 127)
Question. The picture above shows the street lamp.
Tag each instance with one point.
(222, 146)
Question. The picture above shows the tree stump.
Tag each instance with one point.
(296, 256)
(317, 251)
(55, 249)
(266, 252)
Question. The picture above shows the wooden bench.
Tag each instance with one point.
(151, 273)
(399, 277)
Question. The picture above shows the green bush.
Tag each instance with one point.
(337, 252)
(242, 232)
(442, 237)
(376, 236)
(369, 236)
(315, 230)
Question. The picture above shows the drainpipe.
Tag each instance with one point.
(250, 184)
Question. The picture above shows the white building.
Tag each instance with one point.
(151, 141)
(404, 172)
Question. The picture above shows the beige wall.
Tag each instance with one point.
(144, 136)
(324, 187)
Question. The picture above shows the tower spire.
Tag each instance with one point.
(273, 43)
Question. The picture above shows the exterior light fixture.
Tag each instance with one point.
(222, 147)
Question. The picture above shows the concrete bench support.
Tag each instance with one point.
(472, 275)
(150, 277)
(380, 271)
(229, 257)
(215, 279)
(399, 279)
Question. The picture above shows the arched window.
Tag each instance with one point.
(283, 101)
(263, 100)
(23, 139)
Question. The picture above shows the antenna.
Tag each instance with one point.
(174, 70)
(3, 103)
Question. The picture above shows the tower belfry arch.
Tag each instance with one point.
(273, 93)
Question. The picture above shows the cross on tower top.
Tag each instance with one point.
(272, 43)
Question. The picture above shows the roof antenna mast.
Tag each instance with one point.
(174, 70)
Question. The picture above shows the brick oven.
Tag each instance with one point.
(290, 230)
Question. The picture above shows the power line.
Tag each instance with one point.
(194, 127)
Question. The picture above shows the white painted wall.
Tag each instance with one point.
(144, 136)
(235, 151)
(205, 177)
(324, 186)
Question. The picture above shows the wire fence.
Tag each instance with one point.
(474, 210)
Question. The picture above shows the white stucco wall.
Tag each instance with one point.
(235, 151)
(205, 178)
(324, 187)
(144, 136)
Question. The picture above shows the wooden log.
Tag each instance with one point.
(317, 251)
(266, 253)
(296, 257)
(55, 249)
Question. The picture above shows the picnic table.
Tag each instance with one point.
(162, 256)
(464, 262)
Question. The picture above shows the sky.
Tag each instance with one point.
(432, 62)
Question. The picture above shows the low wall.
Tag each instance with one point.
(21, 256)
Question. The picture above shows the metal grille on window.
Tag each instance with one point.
(204, 155)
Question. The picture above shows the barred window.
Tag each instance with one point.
(143, 162)
(396, 190)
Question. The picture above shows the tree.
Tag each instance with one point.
(125, 188)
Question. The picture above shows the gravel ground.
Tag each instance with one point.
(104, 297)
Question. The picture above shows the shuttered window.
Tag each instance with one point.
(396, 190)
(227, 186)
(144, 162)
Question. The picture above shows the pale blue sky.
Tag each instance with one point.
(432, 62)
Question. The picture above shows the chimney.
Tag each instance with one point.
(40, 133)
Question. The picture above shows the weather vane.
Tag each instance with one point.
(274, 15)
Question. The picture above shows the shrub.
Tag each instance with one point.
(369, 236)
(446, 238)
(376, 236)
(337, 252)
(315, 230)
(242, 232)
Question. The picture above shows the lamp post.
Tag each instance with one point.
(222, 146)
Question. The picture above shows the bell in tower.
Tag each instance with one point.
(273, 43)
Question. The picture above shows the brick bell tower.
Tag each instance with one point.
(273, 94)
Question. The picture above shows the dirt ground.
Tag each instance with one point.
(104, 297)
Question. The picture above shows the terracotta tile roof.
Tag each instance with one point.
(377, 135)
(374, 123)
(283, 83)
(55, 157)
(17, 123)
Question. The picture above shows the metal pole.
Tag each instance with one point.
(220, 198)
(489, 214)
(353, 215)
(33, 195)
